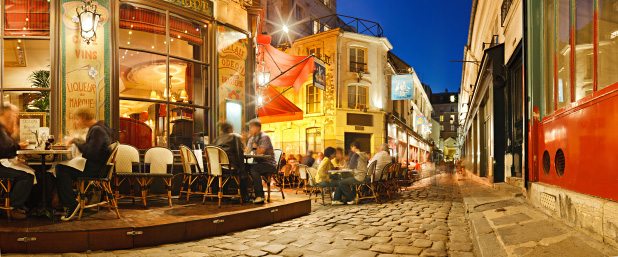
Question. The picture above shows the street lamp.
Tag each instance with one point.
(286, 29)
(263, 78)
(88, 20)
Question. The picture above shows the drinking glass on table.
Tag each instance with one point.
(50, 139)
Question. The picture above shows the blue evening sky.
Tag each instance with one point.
(425, 34)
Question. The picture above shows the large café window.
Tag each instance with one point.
(577, 74)
(162, 82)
(25, 76)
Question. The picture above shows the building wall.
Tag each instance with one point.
(280, 12)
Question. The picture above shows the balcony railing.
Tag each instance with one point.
(344, 22)
(506, 5)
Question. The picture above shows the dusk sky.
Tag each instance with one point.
(425, 34)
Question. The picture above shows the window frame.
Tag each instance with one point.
(357, 96)
(316, 106)
(51, 92)
(354, 63)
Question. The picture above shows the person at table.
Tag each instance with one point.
(339, 160)
(22, 181)
(322, 177)
(260, 142)
(291, 160)
(232, 144)
(317, 162)
(358, 164)
(95, 149)
(383, 158)
(308, 159)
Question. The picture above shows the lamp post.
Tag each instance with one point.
(88, 21)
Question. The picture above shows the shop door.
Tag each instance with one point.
(518, 117)
(363, 139)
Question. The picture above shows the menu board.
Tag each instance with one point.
(85, 67)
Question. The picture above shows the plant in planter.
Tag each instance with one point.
(39, 102)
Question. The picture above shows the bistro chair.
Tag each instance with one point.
(367, 188)
(5, 192)
(314, 188)
(159, 162)
(269, 177)
(285, 173)
(192, 172)
(384, 183)
(127, 168)
(102, 182)
(217, 163)
(302, 177)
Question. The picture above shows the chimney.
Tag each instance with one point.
(446, 90)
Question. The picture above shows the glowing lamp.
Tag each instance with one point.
(88, 21)
(263, 77)
(286, 29)
(153, 95)
(183, 94)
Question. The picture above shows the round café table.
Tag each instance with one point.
(45, 208)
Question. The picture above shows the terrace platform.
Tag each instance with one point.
(141, 227)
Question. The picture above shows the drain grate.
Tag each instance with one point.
(548, 201)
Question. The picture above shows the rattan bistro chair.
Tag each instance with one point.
(192, 172)
(217, 161)
(5, 192)
(159, 162)
(314, 188)
(127, 168)
(302, 177)
(384, 183)
(268, 178)
(367, 188)
(103, 183)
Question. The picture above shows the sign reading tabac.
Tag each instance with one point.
(86, 79)
(202, 6)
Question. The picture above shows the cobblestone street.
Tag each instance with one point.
(425, 220)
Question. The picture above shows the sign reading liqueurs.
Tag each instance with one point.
(202, 6)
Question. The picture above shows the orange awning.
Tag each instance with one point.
(277, 62)
(279, 109)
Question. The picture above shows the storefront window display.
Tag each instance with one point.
(26, 63)
(162, 82)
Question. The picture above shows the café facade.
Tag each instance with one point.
(159, 72)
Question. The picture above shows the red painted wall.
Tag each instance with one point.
(587, 132)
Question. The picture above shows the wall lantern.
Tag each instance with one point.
(88, 20)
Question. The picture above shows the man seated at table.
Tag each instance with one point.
(308, 159)
(383, 157)
(261, 144)
(96, 151)
(358, 164)
(22, 181)
(318, 161)
(232, 144)
(322, 177)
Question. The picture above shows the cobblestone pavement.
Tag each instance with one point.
(425, 220)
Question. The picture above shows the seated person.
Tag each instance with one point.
(339, 160)
(260, 143)
(308, 159)
(358, 164)
(317, 162)
(383, 158)
(96, 152)
(232, 144)
(22, 181)
(322, 177)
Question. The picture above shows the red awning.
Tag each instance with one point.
(278, 62)
(279, 109)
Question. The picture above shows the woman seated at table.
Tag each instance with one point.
(10, 166)
(96, 151)
(322, 177)
(358, 164)
(339, 160)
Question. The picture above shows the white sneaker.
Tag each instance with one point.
(335, 202)
(258, 200)
(351, 202)
(71, 214)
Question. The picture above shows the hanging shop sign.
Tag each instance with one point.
(402, 87)
(419, 120)
(201, 6)
(86, 65)
(319, 74)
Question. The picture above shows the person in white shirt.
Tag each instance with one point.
(383, 157)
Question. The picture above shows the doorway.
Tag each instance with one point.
(363, 139)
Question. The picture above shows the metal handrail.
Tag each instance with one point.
(348, 23)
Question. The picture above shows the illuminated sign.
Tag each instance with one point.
(419, 120)
(402, 87)
(319, 74)
(201, 6)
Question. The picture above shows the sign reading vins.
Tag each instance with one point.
(202, 6)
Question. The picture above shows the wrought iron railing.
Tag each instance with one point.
(347, 23)
(506, 5)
